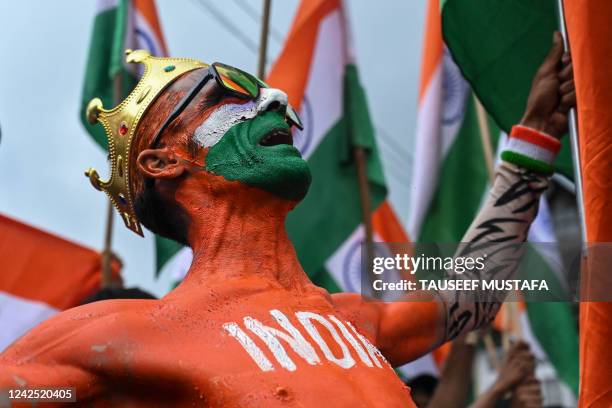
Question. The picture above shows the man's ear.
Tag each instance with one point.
(160, 164)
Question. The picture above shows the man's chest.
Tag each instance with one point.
(256, 353)
(285, 354)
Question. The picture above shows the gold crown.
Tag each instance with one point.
(121, 122)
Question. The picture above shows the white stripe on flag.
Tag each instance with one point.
(427, 154)
(322, 104)
(178, 265)
(18, 315)
(146, 38)
(424, 365)
(439, 120)
(344, 265)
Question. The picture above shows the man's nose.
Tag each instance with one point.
(272, 100)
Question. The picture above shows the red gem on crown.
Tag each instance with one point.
(123, 129)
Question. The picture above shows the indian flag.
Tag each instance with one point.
(118, 25)
(450, 177)
(42, 274)
(316, 68)
(588, 24)
(499, 45)
(317, 71)
(121, 25)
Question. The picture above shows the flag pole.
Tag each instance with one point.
(485, 138)
(263, 39)
(573, 134)
(366, 210)
(107, 278)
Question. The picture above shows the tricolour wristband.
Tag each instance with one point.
(531, 149)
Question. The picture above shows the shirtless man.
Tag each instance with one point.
(211, 165)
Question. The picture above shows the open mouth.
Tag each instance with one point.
(277, 137)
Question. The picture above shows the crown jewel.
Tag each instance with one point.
(121, 122)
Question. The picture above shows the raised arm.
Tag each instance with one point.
(520, 180)
(406, 330)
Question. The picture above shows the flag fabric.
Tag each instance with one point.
(499, 45)
(118, 25)
(317, 70)
(42, 274)
(450, 177)
(588, 24)
(121, 25)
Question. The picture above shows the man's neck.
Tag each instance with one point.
(243, 237)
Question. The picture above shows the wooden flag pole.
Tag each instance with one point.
(107, 254)
(573, 134)
(366, 210)
(485, 138)
(263, 39)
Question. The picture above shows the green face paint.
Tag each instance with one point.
(278, 169)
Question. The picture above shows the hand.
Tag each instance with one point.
(527, 395)
(552, 92)
(519, 364)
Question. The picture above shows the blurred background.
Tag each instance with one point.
(437, 145)
(45, 149)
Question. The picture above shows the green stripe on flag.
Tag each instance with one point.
(324, 279)
(463, 178)
(104, 60)
(499, 45)
(164, 250)
(553, 323)
(332, 210)
(546, 320)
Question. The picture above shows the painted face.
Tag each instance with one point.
(251, 142)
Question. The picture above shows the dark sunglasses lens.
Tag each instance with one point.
(236, 80)
(246, 84)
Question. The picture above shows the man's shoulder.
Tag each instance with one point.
(90, 324)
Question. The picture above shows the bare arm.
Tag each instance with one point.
(503, 222)
(409, 329)
(455, 381)
(513, 202)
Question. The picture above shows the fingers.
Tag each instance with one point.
(529, 394)
(555, 54)
(567, 73)
(558, 121)
(567, 87)
(568, 101)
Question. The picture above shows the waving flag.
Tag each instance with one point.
(118, 25)
(450, 176)
(588, 24)
(41, 275)
(121, 25)
(317, 70)
(499, 45)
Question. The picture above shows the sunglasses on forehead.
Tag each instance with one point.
(234, 82)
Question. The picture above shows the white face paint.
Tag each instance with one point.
(221, 120)
(225, 116)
